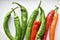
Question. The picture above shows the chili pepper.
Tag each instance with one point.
(34, 30)
(48, 22)
(23, 18)
(35, 27)
(30, 23)
(5, 24)
(17, 26)
(53, 24)
(42, 26)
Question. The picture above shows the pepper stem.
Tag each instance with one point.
(39, 4)
(16, 3)
(13, 10)
(56, 9)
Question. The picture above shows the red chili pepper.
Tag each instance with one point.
(34, 30)
(48, 22)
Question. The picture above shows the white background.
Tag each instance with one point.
(30, 5)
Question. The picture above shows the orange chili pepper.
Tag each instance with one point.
(53, 25)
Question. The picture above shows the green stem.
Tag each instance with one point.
(16, 3)
(39, 4)
(56, 9)
(13, 11)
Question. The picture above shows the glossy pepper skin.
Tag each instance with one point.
(42, 26)
(17, 27)
(24, 17)
(34, 30)
(5, 25)
(48, 22)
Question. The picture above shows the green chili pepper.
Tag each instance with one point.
(30, 22)
(5, 25)
(23, 18)
(42, 27)
(17, 26)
